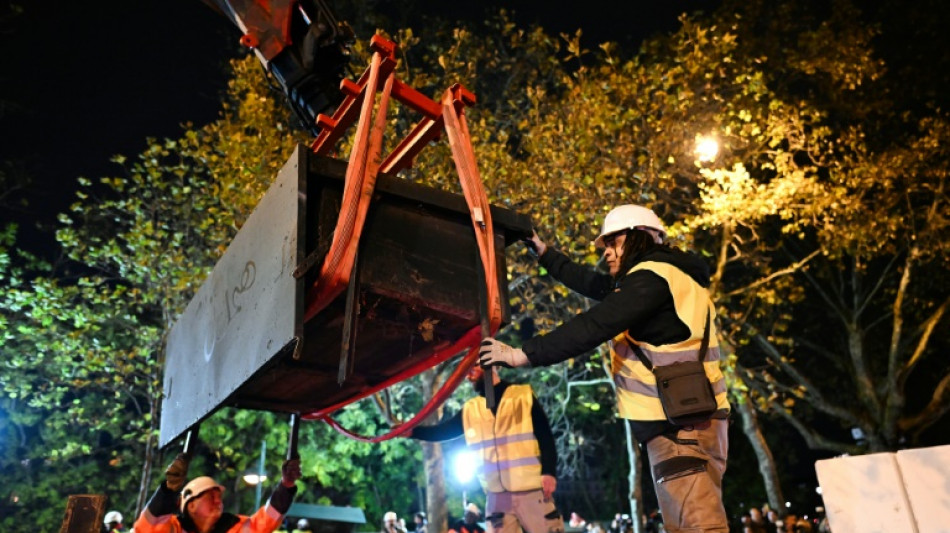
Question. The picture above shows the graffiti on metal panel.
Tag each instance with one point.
(233, 294)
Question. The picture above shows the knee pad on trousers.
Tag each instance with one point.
(678, 467)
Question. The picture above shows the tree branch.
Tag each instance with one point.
(938, 406)
(791, 269)
(812, 439)
(928, 327)
(837, 307)
(815, 398)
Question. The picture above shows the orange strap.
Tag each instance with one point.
(360, 183)
(437, 400)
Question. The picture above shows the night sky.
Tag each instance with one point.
(83, 81)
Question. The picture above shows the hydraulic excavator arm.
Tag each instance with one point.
(301, 44)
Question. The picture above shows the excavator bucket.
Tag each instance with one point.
(243, 342)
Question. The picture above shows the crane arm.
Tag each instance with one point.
(299, 42)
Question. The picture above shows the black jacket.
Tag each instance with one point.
(641, 303)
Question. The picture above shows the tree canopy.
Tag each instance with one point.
(823, 215)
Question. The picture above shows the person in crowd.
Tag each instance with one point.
(391, 523)
(620, 524)
(653, 521)
(757, 522)
(420, 521)
(303, 526)
(576, 520)
(469, 523)
(655, 306)
(518, 461)
(198, 507)
(112, 522)
(614, 526)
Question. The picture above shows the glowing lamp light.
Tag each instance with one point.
(707, 148)
(253, 478)
(464, 465)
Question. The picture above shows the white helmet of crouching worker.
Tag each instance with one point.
(112, 517)
(629, 216)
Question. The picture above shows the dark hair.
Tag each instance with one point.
(637, 242)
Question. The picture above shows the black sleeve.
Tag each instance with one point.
(282, 497)
(163, 502)
(640, 297)
(446, 430)
(542, 432)
(579, 278)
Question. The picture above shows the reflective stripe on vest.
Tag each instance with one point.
(510, 457)
(636, 387)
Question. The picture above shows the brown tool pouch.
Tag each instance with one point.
(683, 388)
(685, 393)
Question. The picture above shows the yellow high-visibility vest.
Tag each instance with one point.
(509, 451)
(637, 397)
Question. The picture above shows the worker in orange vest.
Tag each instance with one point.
(198, 507)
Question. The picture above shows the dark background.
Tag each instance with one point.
(83, 81)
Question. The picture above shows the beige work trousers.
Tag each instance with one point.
(529, 511)
(691, 499)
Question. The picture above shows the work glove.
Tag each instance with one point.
(177, 472)
(290, 472)
(497, 353)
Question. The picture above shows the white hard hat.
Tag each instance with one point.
(112, 516)
(303, 524)
(389, 516)
(626, 217)
(196, 487)
(472, 508)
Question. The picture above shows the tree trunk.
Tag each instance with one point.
(436, 507)
(763, 454)
(147, 461)
(437, 510)
(635, 478)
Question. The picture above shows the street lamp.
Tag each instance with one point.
(464, 466)
(707, 148)
(253, 478)
(256, 479)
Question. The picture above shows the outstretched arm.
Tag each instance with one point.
(159, 514)
(542, 432)
(448, 429)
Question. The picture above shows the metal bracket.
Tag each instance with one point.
(313, 258)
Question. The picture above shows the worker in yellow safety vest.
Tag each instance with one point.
(517, 463)
(655, 311)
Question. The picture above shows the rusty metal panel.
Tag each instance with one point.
(247, 311)
(84, 513)
(418, 289)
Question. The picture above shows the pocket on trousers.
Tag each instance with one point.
(678, 467)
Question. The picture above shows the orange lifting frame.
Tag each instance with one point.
(364, 165)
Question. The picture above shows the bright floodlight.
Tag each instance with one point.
(707, 148)
(252, 478)
(464, 465)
